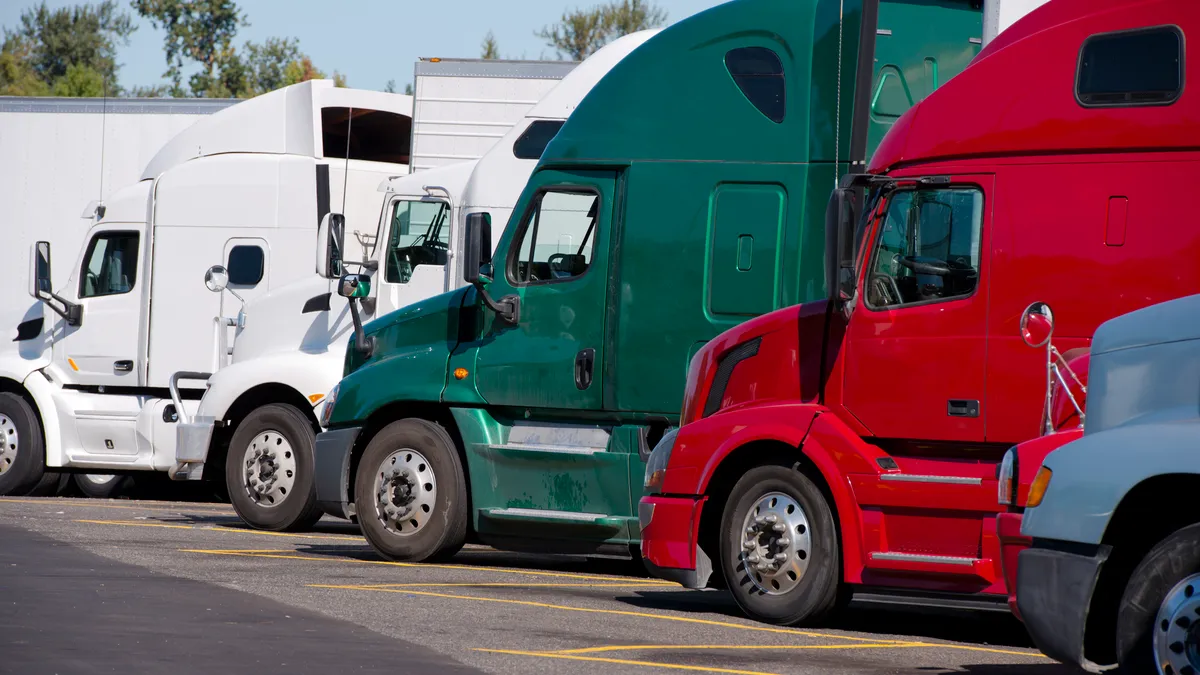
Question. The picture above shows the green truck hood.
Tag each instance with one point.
(412, 345)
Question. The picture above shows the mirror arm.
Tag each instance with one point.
(508, 309)
(365, 345)
(71, 312)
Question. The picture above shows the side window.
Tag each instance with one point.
(557, 238)
(245, 265)
(758, 72)
(927, 248)
(533, 142)
(417, 227)
(1130, 68)
(110, 265)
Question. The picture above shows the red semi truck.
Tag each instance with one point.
(855, 445)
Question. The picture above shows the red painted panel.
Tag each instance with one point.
(1114, 229)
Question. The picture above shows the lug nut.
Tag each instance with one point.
(749, 545)
(753, 557)
(783, 542)
(779, 527)
(771, 518)
(780, 557)
(762, 567)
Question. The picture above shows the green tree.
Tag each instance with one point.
(75, 45)
(581, 32)
(491, 50)
(201, 31)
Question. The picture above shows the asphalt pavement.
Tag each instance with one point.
(97, 586)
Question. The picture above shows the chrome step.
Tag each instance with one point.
(924, 558)
(546, 513)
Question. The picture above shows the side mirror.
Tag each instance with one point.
(839, 234)
(354, 286)
(331, 237)
(477, 247)
(1037, 324)
(40, 284)
(216, 279)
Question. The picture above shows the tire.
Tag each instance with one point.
(272, 451)
(802, 588)
(1165, 586)
(52, 484)
(22, 450)
(427, 489)
(93, 485)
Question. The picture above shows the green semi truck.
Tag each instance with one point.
(685, 194)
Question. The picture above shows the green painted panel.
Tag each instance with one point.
(744, 248)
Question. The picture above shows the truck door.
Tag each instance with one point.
(916, 345)
(104, 349)
(556, 262)
(416, 235)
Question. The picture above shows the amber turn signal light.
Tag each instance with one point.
(1038, 490)
(460, 373)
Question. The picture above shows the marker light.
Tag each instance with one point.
(1038, 490)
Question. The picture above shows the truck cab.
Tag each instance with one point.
(290, 345)
(1110, 576)
(520, 408)
(853, 445)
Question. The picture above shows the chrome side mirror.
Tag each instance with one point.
(216, 279)
(1037, 324)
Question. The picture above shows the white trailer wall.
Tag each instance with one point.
(59, 154)
(461, 107)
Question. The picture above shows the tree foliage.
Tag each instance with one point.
(581, 32)
(71, 49)
(199, 31)
(490, 49)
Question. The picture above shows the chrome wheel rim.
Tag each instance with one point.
(270, 468)
(405, 492)
(9, 442)
(1177, 629)
(99, 479)
(776, 544)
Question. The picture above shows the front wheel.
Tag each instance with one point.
(779, 547)
(269, 470)
(100, 486)
(410, 493)
(1158, 625)
(22, 453)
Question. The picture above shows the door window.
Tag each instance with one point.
(110, 265)
(927, 248)
(245, 265)
(416, 235)
(557, 238)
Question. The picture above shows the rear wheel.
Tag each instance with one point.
(22, 452)
(779, 547)
(410, 493)
(1158, 626)
(269, 469)
(101, 486)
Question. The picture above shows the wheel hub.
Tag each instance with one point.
(8, 443)
(270, 468)
(405, 491)
(1177, 629)
(776, 543)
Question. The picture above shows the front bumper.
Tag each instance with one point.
(670, 539)
(1054, 594)
(1012, 542)
(333, 471)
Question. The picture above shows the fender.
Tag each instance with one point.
(42, 390)
(307, 373)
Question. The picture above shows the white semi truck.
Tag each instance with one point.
(257, 422)
(85, 387)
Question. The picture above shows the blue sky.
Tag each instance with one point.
(370, 41)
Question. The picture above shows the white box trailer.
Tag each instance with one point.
(58, 155)
(461, 107)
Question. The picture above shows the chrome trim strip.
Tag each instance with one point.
(918, 478)
(556, 449)
(921, 557)
(544, 513)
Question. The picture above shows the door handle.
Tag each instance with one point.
(957, 407)
(123, 366)
(584, 362)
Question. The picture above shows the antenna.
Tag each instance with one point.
(103, 134)
(346, 177)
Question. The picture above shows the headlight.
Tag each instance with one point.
(1005, 483)
(656, 466)
(327, 411)
(1040, 482)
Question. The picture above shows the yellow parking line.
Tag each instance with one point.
(96, 504)
(624, 662)
(639, 648)
(615, 612)
(508, 584)
(234, 530)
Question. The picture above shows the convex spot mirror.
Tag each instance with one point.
(216, 278)
(39, 270)
(354, 286)
(331, 236)
(477, 248)
(1037, 324)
